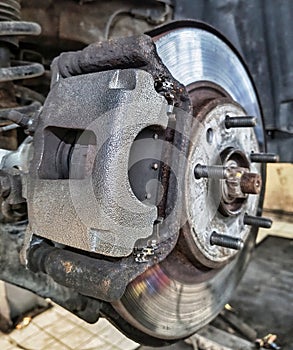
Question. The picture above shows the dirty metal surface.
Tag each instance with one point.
(161, 294)
(209, 139)
(12, 271)
(179, 44)
(91, 276)
(173, 303)
(262, 31)
(124, 53)
(96, 209)
(262, 300)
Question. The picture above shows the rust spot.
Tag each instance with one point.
(106, 285)
(68, 266)
(251, 183)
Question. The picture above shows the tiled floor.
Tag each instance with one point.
(57, 329)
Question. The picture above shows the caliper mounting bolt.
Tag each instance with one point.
(264, 158)
(257, 221)
(226, 241)
(240, 122)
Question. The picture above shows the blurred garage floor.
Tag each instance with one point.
(58, 329)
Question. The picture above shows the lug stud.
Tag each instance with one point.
(226, 241)
(240, 122)
(264, 158)
(257, 221)
(214, 171)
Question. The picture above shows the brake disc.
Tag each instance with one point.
(176, 297)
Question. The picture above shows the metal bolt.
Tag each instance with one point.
(226, 241)
(250, 183)
(264, 157)
(214, 171)
(240, 122)
(257, 221)
(155, 136)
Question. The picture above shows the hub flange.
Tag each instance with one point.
(218, 203)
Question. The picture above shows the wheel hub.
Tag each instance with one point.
(222, 153)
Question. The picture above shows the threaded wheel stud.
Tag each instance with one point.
(226, 241)
(264, 158)
(257, 221)
(240, 122)
(213, 172)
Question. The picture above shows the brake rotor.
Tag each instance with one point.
(178, 296)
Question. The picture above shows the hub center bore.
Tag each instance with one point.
(236, 181)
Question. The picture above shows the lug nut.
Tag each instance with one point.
(250, 183)
(264, 158)
(226, 241)
(240, 122)
(214, 171)
(257, 221)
